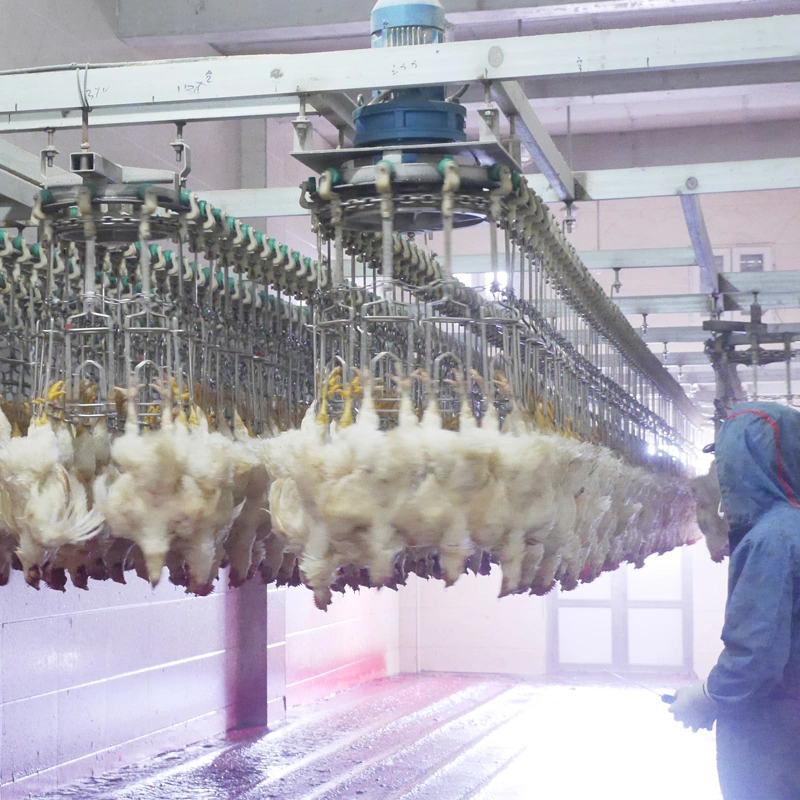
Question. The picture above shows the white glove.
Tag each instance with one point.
(694, 708)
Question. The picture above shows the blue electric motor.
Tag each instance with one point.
(415, 115)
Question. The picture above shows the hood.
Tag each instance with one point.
(758, 462)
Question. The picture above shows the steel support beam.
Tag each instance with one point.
(664, 304)
(596, 84)
(702, 304)
(691, 333)
(610, 184)
(144, 112)
(639, 258)
(337, 108)
(771, 377)
(257, 202)
(746, 282)
(600, 259)
(16, 191)
(213, 88)
(21, 178)
(678, 333)
(514, 104)
(684, 179)
(678, 359)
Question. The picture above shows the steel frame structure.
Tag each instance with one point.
(285, 85)
(265, 85)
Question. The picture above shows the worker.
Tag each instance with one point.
(753, 692)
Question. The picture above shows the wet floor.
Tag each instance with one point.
(442, 737)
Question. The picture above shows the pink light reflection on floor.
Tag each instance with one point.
(441, 737)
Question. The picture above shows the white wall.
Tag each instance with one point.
(710, 591)
(467, 628)
(355, 640)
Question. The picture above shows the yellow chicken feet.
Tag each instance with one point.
(334, 385)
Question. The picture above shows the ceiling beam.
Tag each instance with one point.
(536, 140)
(257, 203)
(678, 359)
(748, 282)
(599, 259)
(337, 108)
(678, 333)
(664, 304)
(785, 294)
(607, 184)
(644, 258)
(207, 88)
(16, 191)
(771, 378)
(689, 333)
(683, 179)
(641, 81)
(648, 147)
(21, 178)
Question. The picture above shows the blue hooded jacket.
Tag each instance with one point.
(758, 463)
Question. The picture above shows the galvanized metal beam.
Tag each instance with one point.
(213, 88)
(686, 359)
(664, 304)
(696, 223)
(644, 258)
(144, 111)
(21, 177)
(685, 179)
(337, 108)
(11, 214)
(678, 333)
(257, 202)
(691, 333)
(514, 104)
(596, 84)
(611, 184)
(702, 304)
(16, 190)
(744, 282)
(771, 377)
(600, 259)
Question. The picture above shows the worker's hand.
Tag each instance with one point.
(694, 708)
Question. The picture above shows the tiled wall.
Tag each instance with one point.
(90, 679)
